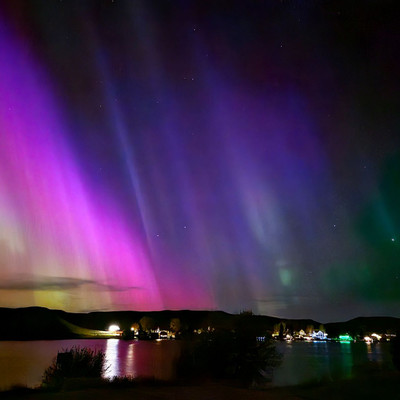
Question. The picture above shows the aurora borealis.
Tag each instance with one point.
(200, 155)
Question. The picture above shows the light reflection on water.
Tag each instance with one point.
(374, 353)
(308, 362)
(112, 364)
(130, 367)
(141, 358)
(347, 358)
(24, 362)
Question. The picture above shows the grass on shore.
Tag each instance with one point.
(372, 385)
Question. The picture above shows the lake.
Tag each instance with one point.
(23, 363)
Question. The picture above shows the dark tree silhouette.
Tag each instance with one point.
(281, 331)
(395, 350)
(235, 355)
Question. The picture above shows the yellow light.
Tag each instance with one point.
(113, 328)
(378, 337)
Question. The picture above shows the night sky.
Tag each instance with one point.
(228, 155)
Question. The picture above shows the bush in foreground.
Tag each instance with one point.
(74, 363)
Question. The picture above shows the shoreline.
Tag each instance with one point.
(377, 384)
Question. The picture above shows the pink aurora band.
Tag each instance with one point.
(65, 239)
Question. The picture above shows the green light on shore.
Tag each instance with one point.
(345, 338)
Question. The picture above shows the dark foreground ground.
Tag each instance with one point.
(371, 386)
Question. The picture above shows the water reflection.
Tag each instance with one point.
(374, 352)
(24, 362)
(320, 361)
(322, 357)
(130, 361)
(347, 359)
(112, 360)
(143, 358)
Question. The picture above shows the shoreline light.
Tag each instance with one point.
(113, 328)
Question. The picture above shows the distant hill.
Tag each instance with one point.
(34, 323)
(364, 326)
